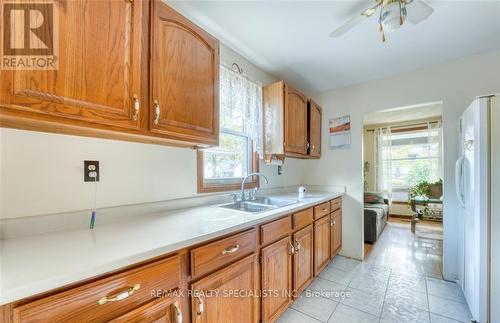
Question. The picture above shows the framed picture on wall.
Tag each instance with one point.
(340, 132)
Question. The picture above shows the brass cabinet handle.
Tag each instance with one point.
(325, 210)
(292, 249)
(331, 223)
(201, 306)
(231, 249)
(297, 246)
(307, 144)
(119, 296)
(178, 313)
(334, 222)
(156, 106)
(136, 107)
(312, 147)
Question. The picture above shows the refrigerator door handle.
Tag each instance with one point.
(459, 173)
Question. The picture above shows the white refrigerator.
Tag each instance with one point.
(477, 188)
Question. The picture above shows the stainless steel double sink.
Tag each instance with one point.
(260, 204)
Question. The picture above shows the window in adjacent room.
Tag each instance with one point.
(223, 168)
(406, 157)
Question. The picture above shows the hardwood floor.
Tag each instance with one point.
(401, 250)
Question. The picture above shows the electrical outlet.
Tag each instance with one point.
(280, 171)
(91, 171)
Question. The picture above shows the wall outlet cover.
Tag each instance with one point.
(91, 171)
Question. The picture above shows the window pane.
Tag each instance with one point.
(406, 173)
(229, 160)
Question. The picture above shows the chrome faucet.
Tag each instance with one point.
(254, 191)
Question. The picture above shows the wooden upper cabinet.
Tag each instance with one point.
(303, 265)
(276, 278)
(295, 121)
(292, 123)
(102, 53)
(185, 78)
(212, 301)
(314, 129)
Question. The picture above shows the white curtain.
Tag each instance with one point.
(435, 137)
(383, 167)
(241, 106)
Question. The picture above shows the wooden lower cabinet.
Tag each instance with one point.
(104, 299)
(336, 232)
(161, 310)
(276, 278)
(227, 280)
(303, 264)
(212, 299)
(321, 244)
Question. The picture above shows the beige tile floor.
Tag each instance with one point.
(399, 281)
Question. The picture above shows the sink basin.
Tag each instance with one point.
(273, 201)
(260, 204)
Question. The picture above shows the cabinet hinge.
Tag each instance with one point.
(260, 259)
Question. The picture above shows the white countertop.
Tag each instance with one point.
(36, 264)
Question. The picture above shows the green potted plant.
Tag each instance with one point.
(436, 189)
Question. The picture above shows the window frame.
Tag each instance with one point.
(439, 158)
(251, 154)
(207, 187)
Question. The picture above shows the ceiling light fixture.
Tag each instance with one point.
(392, 16)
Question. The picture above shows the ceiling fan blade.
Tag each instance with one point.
(351, 23)
(418, 11)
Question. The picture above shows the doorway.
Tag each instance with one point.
(403, 213)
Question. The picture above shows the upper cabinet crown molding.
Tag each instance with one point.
(292, 123)
(122, 74)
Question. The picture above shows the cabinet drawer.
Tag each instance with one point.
(277, 229)
(303, 218)
(336, 204)
(321, 210)
(221, 252)
(106, 298)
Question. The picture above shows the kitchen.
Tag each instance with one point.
(131, 117)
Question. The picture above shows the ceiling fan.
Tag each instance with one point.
(393, 13)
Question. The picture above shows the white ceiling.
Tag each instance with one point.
(289, 39)
(405, 114)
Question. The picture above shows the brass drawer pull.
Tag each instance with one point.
(231, 249)
(297, 246)
(119, 296)
(136, 107)
(156, 106)
(178, 313)
(325, 210)
(201, 306)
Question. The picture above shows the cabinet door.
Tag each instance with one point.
(162, 310)
(212, 300)
(321, 244)
(303, 265)
(99, 79)
(336, 232)
(185, 78)
(314, 129)
(295, 122)
(276, 278)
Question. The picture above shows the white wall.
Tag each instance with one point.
(42, 173)
(455, 84)
(369, 156)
